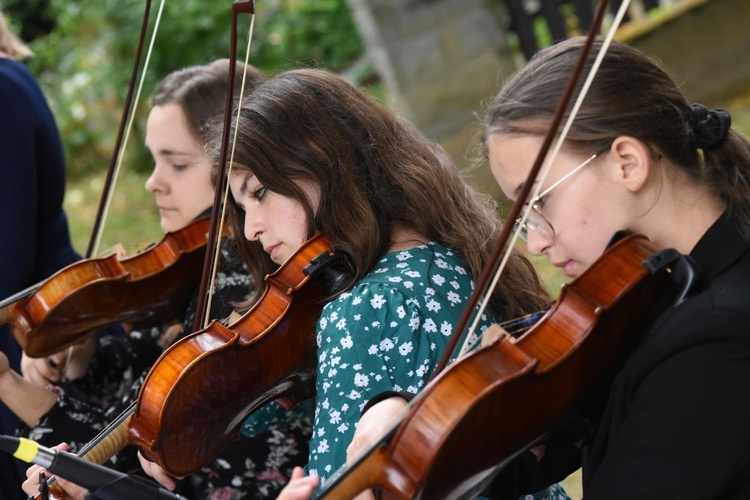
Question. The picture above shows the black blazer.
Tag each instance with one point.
(676, 422)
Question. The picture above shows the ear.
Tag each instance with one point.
(632, 160)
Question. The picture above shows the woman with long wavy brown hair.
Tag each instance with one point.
(314, 154)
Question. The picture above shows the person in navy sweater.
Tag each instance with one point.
(34, 237)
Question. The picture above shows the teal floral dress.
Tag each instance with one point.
(385, 334)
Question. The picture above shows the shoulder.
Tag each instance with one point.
(432, 265)
(429, 283)
(20, 92)
(721, 310)
(729, 292)
(714, 321)
(415, 274)
(16, 77)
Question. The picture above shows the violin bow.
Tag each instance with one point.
(123, 132)
(221, 192)
(116, 159)
(502, 250)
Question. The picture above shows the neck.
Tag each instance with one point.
(404, 239)
(681, 216)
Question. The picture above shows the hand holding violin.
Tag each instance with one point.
(50, 369)
(25, 399)
(71, 491)
(300, 487)
(157, 473)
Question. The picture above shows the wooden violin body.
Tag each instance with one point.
(500, 400)
(150, 287)
(197, 395)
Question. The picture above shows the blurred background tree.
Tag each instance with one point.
(85, 50)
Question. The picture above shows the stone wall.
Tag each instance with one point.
(438, 60)
(707, 48)
(441, 60)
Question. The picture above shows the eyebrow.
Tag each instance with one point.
(172, 152)
(245, 182)
(176, 153)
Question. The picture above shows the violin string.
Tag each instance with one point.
(547, 166)
(514, 327)
(118, 165)
(225, 196)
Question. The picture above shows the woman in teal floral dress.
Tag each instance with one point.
(385, 334)
(316, 155)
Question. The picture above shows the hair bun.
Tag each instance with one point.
(709, 126)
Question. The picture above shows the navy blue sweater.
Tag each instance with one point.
(34, 238)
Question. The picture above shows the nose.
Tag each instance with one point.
(155, 182)
(253, 225)
(538, 242)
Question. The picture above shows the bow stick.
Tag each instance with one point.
(502, 249)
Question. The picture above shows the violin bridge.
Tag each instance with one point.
(494, 334)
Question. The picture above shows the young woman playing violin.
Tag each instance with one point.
(640, 158)
(114, 368)
(316, 155)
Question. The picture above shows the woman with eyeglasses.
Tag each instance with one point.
(640, 158)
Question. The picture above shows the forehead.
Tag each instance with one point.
(239, 180)
(167, 126)
(511, 158)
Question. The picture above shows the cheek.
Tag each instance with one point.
(198, 190)
(300, 227)
(297, 226)
(589, 232)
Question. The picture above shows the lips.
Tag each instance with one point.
(270, 250)
(567, 267)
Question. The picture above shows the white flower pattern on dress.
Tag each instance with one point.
(386, 333)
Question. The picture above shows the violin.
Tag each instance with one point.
(148, 288)
(519, 389)
(199, 392)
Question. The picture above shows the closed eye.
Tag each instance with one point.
(540, 202)
(259, 193)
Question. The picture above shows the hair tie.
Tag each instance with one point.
(709, 126)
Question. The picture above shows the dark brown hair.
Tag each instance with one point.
(201, 91)
(376, 172)
(631, 95)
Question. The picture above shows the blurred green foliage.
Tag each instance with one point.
(85, 51)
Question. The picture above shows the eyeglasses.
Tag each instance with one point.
(535, 221)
